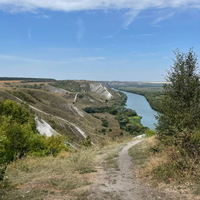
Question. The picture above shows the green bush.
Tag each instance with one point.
(149, 133)
(87, 142)
(104, 123)
(103, 130)
(19, 137)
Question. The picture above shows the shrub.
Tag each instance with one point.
(149, 133)
(103, 130)
(104, 123)
(87, 142)
(19, 137)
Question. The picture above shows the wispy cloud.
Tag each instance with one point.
(29, 33)
(18, 58)
(169, 44)
(112, 35)
(161, 18)
(134, 52)
(99, 49)
(42, 16)
(130, 8)
(129, 17)
(147, 54)
(25, 59)
(81, 29)
(143, 35)
(137, 53)
(91, 58)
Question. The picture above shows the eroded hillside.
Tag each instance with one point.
(59, 107)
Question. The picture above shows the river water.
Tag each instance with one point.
(143, 109)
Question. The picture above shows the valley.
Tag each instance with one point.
(152, 91)
(60, 107)
(99, 100)
(90, 134)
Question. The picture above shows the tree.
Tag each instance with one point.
(180, 102)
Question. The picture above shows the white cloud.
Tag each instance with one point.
(131, 8)
(81, 29)
(88, 5)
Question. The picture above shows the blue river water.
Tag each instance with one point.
(143, 109)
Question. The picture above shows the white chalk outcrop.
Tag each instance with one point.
(75, 98)
(79, 112)
(101, 90)
(44, 128)
(53, 89)
(67, 122)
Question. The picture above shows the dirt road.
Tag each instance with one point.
(121, 184)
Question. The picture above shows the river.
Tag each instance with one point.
(143, 109)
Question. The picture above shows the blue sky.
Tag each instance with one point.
(127, 40)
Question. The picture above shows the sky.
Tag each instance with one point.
(113, 40)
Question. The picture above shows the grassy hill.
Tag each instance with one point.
(61, 104)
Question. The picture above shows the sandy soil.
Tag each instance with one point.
(113, 184)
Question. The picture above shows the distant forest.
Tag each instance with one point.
(27, 79)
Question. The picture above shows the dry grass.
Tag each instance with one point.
(170, 165)
(111, 159)
(10, 81)
(154, 162)
(66, 176)
(160, 170)
(36, 178)
(106, 143)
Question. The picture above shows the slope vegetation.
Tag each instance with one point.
(60, 106)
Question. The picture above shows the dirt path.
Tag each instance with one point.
(121, 184)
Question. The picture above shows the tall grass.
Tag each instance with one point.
(50, 174)
(164, 164)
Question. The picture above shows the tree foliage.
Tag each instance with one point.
(181, 104)
(19, 136)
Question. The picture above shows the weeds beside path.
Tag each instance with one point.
(75, 175)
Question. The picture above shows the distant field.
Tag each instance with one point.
(11, 81)
(135, 119)
(142, 89)
(27, 79)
